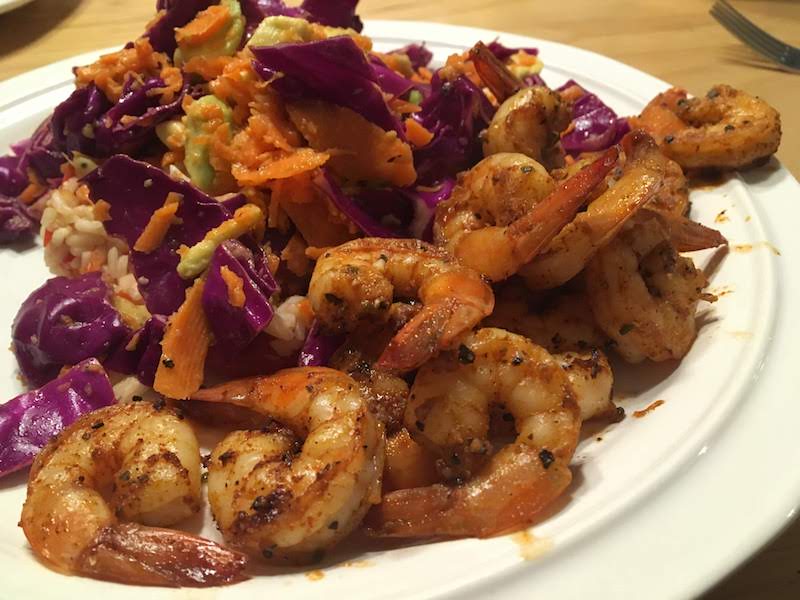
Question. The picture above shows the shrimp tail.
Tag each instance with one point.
(419, 340)
(475, 509)
(131, 553)
(687, 235)
(531, 233)
(494, 74)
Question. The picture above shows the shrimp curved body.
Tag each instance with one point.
(592, 380)
(289, 494)
(726, 129)
(507, 208)
(558, 321)
(644, 294)
(567, 254)
(449, 413)
(529, 122)
(357, 282)
(149, 459)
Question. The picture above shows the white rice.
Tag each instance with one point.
(78, 237)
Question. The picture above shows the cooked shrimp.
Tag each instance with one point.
(727, 129)
(132, 462)
(408, 465)
(571, 249)
(529, 122)
(558, 321)
(290, 494)
(387, 393)
(501, 82)
(592, 380)
(685, 235)
(505, 211)
(644, 294)
(448, 412)
(357, 281)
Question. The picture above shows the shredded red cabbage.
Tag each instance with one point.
(236, 326)
(140, 354)
(30, 420)
(503, 53)
(177, 13)
(62, 323)
(318, 347)
(418, 54)
(455, 112)
(594, 125)
(135, 190)
(334, 70)
(16, 223)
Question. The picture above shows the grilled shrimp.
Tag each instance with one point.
(567, 254)
(529, 122)
(357, 281)
(408, 465)
(644, 294)
(505, 211)
(448, 412)
(592, 380)
(563, 324)
(727, 129)
(125, 462)
(291, 493)
(558, 321)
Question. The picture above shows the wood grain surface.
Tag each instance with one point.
(675, 40)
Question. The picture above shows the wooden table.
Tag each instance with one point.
(674, 40)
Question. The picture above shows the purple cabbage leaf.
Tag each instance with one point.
(135, 190)
(176, 13)
(503, 53)
(334, 70)
(318, 347)
(455, 112)
(418, 54)
(595, 126)
(62, 323)
(234, 327)
(140, 353)
(16, 223)
(30, 420)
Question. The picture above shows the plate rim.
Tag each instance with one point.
(19, 88)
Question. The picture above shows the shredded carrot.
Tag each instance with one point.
(158, 225)
(311, 211)
(366, 152)
(305, 310)
(572, 93)
(184, 347)
(203, 27)
(208, 67)
(67, 170)
(396, 62)
(33, 191)
(48, 235)
(460, 64)
(294, 255)
(235, 287)
(525, 58)
(313, 252)
(417, 134)
(102, 210)
(423, 75)
(403, 107)
(280, 165)
(111, 71)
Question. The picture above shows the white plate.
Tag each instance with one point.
(662, 507)
(7, 5)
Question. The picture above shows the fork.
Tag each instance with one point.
(755, 37)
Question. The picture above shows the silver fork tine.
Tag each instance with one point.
(753, 36)
(735, 28)
(748, 26)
